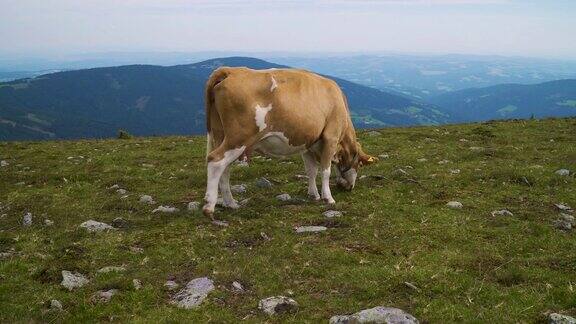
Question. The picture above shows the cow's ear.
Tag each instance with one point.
(366, 159)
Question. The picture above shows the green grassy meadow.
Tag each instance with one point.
(461, 265)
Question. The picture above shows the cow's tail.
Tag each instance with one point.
(212, 116)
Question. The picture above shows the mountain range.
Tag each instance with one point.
(159, 100)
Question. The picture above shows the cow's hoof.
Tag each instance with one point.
(232, 205)
(314, 197)
(330, 201)
(208, 212)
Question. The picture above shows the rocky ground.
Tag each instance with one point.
(464, 223)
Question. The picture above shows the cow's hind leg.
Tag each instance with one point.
(227, 199)
(218, 162)
(311, 167)
(328, 151)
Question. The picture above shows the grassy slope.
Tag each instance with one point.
(468, 265)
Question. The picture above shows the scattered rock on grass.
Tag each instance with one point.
(121, 191)
(4, 163)
(277, 305)
(384, 156)
(502, 212)
(332, 213)
(120, 222)
(48, 222)
(56, 305)
(564, 207)
(264, 183)
(193, 206)
(378, 314)
(112, 269)
(137, 284)
(194, 293)
(563, 172)
(94, 226)
(147, 199)
(72, 280)
(220, 223)
(283, 197)
(237, 287)
(555, 318)
(422, 160)
(454, 204)
(171, 284)
(373, 133)
(238, 189)
(165, 209)
(310, 229)
(27, 219)
(565, 222)
(103, 296)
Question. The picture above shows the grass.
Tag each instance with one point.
(468, 266)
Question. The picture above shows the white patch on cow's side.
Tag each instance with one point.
(311, 167)
(274, 84)
(215, 170)
(260, 117)
(276, 144)
(326, 194)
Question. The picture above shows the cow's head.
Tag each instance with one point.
(348, 161)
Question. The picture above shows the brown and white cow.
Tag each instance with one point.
(278, 112)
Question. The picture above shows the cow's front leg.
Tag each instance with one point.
(218, 161)
(227, 199)
(328, 152)
(311, 167)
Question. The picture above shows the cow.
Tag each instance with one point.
(278, 113)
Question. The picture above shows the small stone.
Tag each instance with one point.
(264, 183)
(332, 213)
(454, 204)
(147, 199)
(283, 197)
(194, 293)
(237, 286)
(422, 160)
(378, 314)
(94, 226)
(476, 148)
(565, 222)
(310, 229)
(564, 207)
(238, 189)
(502, 212)
(373, 133)
(103, 296)
(455, 171)
(443, 162)
(220, 223)
(120, 222)
(27, 219)
(137, 284)
(115, 186)
(277, 305)
(563, 172)
(193, 206)
(136, 249)
(171, 285)
(165, 209)
(121, 191)
(48, 222)
(111, 269)
(384, 156)
(400, 172)
(555, 318)
(56, 305)
(4, 163)
(74, 280)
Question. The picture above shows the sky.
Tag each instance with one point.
(534, 28)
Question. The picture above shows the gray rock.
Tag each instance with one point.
(48, 222)
(165, 209)
(220, 223)
(147, 199)
(94, 226)
(476, 148)
(171, 285)
(373, 133)
(74, 280)
(137, 284)
(384, 156)
(237, 287)
(277, 305)
(194, 293)
(264, 183)
(27, 219)
(454, 204)
(121, 191)
(332, 213)
(563, 172)
(284, 197)
(502, 212)
(115, 186)
(112, 269)
(310, 229)
(422, 160)
(193, 206)
(103, 296)
(376, 315)
(555, 318)
(238, 189)
(4, 163)
(564, 207)
(56, 305)
(565, 222)
(120, 222)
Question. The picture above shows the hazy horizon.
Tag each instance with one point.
(61, 28)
